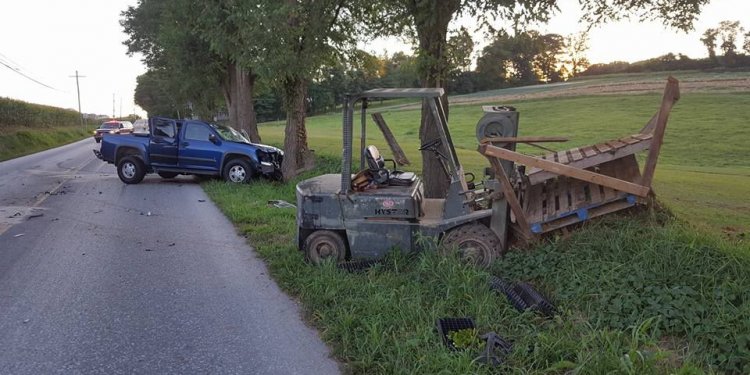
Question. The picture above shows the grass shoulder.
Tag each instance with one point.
(646, 294)
(15, 143)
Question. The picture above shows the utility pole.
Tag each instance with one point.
(78, 89)
(113, 106)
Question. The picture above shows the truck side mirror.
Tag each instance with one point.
(212, 138)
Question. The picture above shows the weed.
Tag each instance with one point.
(466, 339)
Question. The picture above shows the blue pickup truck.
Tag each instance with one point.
(172, 147)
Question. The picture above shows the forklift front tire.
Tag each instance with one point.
(324, 244)
(474, 242)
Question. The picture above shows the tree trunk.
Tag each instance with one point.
(230, 94)
(245, 110)
(431, 19)
(297, 156)
(238, 94)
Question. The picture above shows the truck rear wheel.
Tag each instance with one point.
(238, 171)
(474, 242)
(131, 170)
(324, 244)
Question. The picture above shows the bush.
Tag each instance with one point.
(19, 114)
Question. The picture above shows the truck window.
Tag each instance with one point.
(197, 132)
(164, 128)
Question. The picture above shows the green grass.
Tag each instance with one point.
(642, 295)
(24, 142)
(702, 175)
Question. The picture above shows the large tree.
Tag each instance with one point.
(709, 40)
(728, 31)
(429, 20)
(547, 61)
(576, 46)
(459, 48)
(167, 34)
(287, 42)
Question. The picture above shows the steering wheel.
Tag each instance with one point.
(469, 174)
(430, 144)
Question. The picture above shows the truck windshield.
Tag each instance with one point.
(229, 134)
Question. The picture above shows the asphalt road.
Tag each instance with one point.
(99, 277)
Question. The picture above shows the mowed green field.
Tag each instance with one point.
(703, 173)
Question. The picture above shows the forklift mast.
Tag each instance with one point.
(430, 95)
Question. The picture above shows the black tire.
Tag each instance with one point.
(167, 174)
(237, 171)
(324, 244)
(475, 243)
(131, 170)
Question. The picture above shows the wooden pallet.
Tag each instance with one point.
(589, 156)
(558, 202)
(567, 187)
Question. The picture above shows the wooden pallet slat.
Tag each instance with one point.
(589, 151)
(562, 157)
(576, 154)
(561, 169)
(616, 144)
(629, 140)
(643, 137)
(602, 148)
(534, 212)
(579, 194)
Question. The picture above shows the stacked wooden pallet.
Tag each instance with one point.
(566, 187)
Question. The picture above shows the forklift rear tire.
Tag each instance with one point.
(475, 243)
(324, 244)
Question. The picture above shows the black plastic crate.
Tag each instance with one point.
(357, 265)
(523, 296)
(496, 349)
(534, 300)
(447, 325)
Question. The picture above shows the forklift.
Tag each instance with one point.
(365, 215)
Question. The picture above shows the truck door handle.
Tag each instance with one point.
(185, 144)
(157, 140)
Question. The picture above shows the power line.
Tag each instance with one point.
(10, 61)
(18, 71)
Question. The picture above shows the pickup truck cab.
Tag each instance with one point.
(172, 147)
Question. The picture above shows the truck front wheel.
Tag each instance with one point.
(238, 171)
(131, 170)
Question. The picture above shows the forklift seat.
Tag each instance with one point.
(382, 175)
